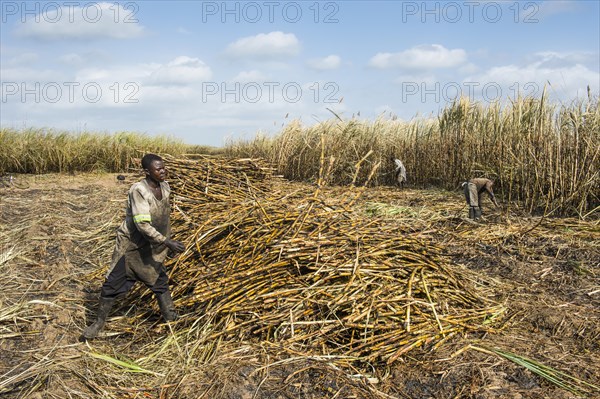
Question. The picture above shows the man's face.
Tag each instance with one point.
(156, 171)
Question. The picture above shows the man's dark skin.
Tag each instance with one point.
(155, 174)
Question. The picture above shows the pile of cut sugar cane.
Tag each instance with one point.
(306, 273)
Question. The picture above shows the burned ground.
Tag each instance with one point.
(56, 240)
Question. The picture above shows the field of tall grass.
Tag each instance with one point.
(544, 157)
(44, 151)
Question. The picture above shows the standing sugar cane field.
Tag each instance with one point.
(307, 273)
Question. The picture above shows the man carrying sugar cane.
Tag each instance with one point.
(143, 241)
(474, 190)
(400, 172)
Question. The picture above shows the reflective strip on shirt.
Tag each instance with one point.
(142, 218)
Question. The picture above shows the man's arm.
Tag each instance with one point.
(488, 188)
(140, 210)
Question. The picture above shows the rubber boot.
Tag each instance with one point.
(471, 212)
(92, 331)
(167, 308)
(477, 213)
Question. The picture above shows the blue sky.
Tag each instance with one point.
(211, 71)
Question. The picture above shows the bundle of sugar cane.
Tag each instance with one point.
(214, 180)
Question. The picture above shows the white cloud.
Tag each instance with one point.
(264, 45)
(89, 57)
(95, 88)
(330, 62)
(182, 70)
(249, 76)
(568, 78)
(552, 59)
(420, 57)
(93, 21)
